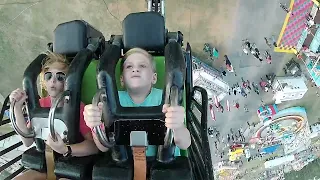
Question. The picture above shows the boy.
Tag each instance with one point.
(138, 77)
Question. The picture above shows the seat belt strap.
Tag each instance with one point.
(140, 163)
(50, 163)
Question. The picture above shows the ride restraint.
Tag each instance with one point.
(139, 127)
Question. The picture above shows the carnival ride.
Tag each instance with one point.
(266, 113)
(93, 75)
(288, 127)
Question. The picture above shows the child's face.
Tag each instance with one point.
(138, 72)
(54, 79)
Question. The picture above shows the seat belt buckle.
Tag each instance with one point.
(138, 139)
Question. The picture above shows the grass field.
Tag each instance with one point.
(309, 172)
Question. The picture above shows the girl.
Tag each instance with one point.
(52, 78)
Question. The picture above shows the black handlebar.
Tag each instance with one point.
(175, 76)
(15, 126)
(70, 114)
(172, 93)
(106, 79)
(107, 141)
(52, 114)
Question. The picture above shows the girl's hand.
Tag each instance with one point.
(19, 96)
(59, 146)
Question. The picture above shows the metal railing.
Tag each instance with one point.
(200, 154)
(5, 121)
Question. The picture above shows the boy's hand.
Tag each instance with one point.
(92, 115)
(174, 116)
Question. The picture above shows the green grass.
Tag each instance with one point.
(308, 172)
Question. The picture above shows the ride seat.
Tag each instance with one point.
(70, 38)
(153, 39)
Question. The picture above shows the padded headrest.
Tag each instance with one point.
(145, 30)
(71, 37)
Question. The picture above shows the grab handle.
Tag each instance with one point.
(32, 134)
(105, 140)
(52, 114)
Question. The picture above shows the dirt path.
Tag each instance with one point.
(25, 30)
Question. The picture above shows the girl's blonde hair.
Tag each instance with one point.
(47, 63)
(141, 51)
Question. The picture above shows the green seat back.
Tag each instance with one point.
(89, 82)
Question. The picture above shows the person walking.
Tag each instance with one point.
(248, 85)
(227, 60)
(267, 42)
(221, 108)
(236, 104)
(268, 57)
(255, 88)
(247, 44)
(231, 130)
(223, 72)
(243, 93)
(246, 108)
(284, 7)
(257, 56)
(245, 50)
(274, 41)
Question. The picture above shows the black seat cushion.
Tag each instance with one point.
(33, 159)
(144, 30)
(106, 169)
(70, 37)
(180, 168)
(79, 168)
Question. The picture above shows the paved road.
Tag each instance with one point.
(254, 21)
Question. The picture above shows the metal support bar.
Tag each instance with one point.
(8, 164)
(6, 121)
(149, 2)
(9, 134)
(14, 174)
(162, 8)
(10, 148)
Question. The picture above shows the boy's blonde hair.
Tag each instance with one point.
(46, 64)
(141, 51)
